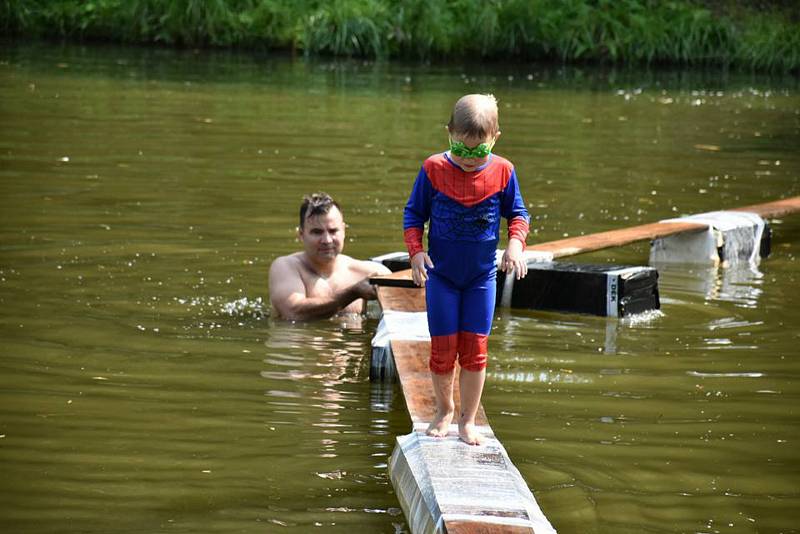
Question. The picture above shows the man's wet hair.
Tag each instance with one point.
(316, 204)
(474, 116)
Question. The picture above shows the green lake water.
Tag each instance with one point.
(144, 386)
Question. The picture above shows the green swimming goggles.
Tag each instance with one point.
(458, 148)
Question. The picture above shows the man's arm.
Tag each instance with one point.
(288, 296)
(371, 268)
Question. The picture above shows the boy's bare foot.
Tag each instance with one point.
(469, 434)
(440, 425)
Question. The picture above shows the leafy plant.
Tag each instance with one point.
(614, 31)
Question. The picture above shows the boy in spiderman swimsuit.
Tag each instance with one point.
(463, 193)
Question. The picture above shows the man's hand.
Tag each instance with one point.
(365, 290)
(419, 273)
(513, 259)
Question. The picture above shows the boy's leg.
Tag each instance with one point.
(442, 301)
(477, 313)
(445, 407)
(471, 385)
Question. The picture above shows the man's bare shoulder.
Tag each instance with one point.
(287, 266)
(290, 260)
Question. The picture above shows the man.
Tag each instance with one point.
(320, 281)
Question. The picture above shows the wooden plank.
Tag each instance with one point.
(405, 282)
(572, 246)
(470, 527)
(435, 478)
(778, 208)
(402, 299)
(403, 276)
(614, 238)
(411, 361)
(445, 485)
(626, 236)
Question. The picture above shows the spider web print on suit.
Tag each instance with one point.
(456, 222)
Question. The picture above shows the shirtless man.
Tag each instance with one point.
(320, 281)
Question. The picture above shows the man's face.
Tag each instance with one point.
(323, 235)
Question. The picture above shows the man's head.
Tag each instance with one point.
(473, 123)
(316, 204)
(321, 227)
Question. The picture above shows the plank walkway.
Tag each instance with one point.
(445, 485)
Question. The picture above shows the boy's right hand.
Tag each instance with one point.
(419, 273)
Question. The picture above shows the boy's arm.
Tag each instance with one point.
(416, 213)
(512, 207)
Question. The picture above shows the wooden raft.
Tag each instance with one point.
(443, 484)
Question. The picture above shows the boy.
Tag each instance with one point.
(463, 192)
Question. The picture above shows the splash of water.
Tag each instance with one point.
(646, 317)
(244, 307)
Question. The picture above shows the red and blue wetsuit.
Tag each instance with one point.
(464, 209)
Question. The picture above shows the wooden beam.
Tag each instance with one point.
(443, 484)
(771, 210)
(411, 357)
(626, 236)
(407, 299)
(614, 238)
(411, 360)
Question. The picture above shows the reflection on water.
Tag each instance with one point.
(339, 349)
(144, 385)
(740, 284)
(315, 375)
(689, 412)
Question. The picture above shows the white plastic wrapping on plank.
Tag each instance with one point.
(381, 362)
(399, 325)
(444, 479)
(382, 335)
(733, 235)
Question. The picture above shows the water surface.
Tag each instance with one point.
(144, 386)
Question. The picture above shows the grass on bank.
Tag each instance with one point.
(616, 31)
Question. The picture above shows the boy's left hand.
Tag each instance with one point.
(513, 259)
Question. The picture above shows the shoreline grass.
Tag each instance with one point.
(682, 32)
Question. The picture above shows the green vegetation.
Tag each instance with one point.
(615, 31)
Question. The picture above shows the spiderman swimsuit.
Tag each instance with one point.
(464, 209)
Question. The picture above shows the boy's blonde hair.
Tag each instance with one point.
(474, 116)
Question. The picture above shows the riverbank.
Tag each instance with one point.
(764, 37)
